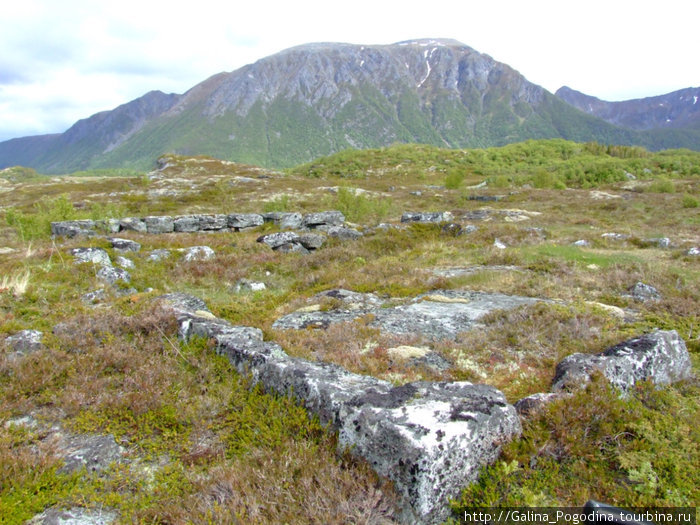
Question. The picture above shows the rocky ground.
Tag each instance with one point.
(414, 321)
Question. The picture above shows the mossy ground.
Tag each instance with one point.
(205, 448)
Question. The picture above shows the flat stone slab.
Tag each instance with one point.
(429, 439)
(438, 315)
(74, 516)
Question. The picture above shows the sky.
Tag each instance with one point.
(63, 61)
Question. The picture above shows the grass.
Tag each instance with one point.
(204, 447)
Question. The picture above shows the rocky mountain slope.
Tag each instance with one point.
(316, 99)
(679, 109)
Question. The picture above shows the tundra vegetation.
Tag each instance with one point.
(581, 225)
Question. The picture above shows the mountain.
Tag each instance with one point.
(679, 109)
(317, 99)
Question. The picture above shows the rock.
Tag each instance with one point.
(90, 451)
(661, 242)
(497, 243)
(644, 292)
(275, 240)
(244, 285)
(212, 222)
(111, 275)
(159, 225)
(452, 229)
(198, 253)
(343, 233)
(158, 255)
(695, 250)
(416, 193)
(660, 357)
(615, 236)
(94, 297)
(613, 310)
(133, 223)
(427, 217)
(536, 402)
(291, 247)
(74, 516)
(327, 218)
(24, 342)
(91, 255)
(404, 352)
(124, 245)
(285, 220)
(351, 300)
(429, 439)
(459, 271)
(244, 220)
(485, 198)
(73, 228)
(311, 241)
(183, 303)
(581, 243)
(442, 315)
(433, 361)
(125, 263)
(186, 224)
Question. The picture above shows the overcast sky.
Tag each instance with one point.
(63, 61)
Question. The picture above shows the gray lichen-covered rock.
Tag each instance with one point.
(186, 224)
(73, 228)
(183, 303)
(285, 220)
(440, 315)
(93, 452)
(291, 247)
(536, 402)
(124, 262)
(158, 255)
(429, 439)
(343, 233)
(133, 223)
(94, 297)
(275, 240)
(91, 255)
(427, 217)
(660, 357)
(244, 220)
(25, 342)
(74, 516)
(164, 224)
(124, 245)
(323, 218)
(311, 241)
(198, 253)
(111, 275)
(644, 292)
(213, 222)
(694, 251)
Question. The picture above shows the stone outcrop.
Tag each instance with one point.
(24, 342)
(74, 516)
(427, 217)
(430, 439)
(201, 222)
(659, 356)
(440, 315)
(91, 255)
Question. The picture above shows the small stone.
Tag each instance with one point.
(452, 229)
(536, 402)
(245, 285)
(497, 243)
(275, 240)
(427, 217)
(74, 516)
(644, 292)
(125, 263)
(694, 251)
(311, 241)
(124, 245)
(111, 275)
(343, 233)
(159, 255)
(25, 342)
(581, 243)
(91, 255)
(198, 253)
(292, 247)
(94, 297)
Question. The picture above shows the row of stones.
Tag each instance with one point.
(197, 223)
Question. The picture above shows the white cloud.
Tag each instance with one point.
(63, 61)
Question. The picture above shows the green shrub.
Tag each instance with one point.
(662, 185)
(358, 207)
(38, 224)
(454, 180)
(690, 202)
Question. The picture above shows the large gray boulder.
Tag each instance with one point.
(24, 342)
(94, 452)
(240, 221)
(186, 224)
(285, 220)
(158, 225)
(124, 245)
(660, 357)
(134, 224)
(112, 275)
(429, 439)
(74, 516)
(73, 228)
(198, 253)
(214, 222)
(323, 218)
